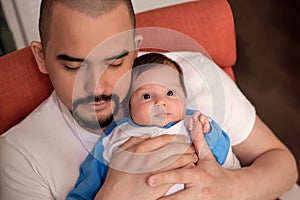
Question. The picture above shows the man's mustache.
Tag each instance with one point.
(95, 99)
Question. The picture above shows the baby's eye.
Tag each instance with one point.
(170, 93)
(147, 96)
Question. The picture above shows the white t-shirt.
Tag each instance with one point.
(40, 157)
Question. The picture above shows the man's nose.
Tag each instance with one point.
(95, 82)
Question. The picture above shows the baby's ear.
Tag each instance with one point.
(37, 50)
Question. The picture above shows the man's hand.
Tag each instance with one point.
(271, 170)
(140, 157)
(205, 181)
(144, 155)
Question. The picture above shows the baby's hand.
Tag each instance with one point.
(205, 123)
(198, 116)
(198, 124)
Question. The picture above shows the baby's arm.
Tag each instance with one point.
(217, 140)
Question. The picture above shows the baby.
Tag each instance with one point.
(157, 106)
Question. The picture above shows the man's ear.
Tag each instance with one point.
(37, 50)
(138, 42)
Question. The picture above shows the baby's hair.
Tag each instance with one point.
(150, 60)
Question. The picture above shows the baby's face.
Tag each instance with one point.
(158, 97)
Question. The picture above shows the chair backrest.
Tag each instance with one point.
(209, 22)
(22, 88)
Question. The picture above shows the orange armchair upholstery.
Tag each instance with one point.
(23, 87)
(209, 22)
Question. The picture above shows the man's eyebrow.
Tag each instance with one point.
(66, 57)
(120, 55)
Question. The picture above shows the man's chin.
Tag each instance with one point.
(95, 120)
(105, 122)
(93, 124)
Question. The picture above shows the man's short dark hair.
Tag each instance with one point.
(93, 8)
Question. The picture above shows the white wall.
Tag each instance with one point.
(144, 5)
(22, 16)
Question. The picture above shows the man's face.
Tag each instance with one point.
(82, 74)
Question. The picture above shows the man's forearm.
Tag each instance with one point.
(268, 176)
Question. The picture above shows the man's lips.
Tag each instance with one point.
(99, 106)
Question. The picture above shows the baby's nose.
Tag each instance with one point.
(160, 102)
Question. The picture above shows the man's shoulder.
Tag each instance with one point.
(36, 120)
(45, 131)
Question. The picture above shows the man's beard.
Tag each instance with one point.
(96, 123)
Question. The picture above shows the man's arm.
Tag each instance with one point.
(272, 167)
(270, 170)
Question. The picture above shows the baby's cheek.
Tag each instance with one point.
(141, 115)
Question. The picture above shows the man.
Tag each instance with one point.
(41, 156)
